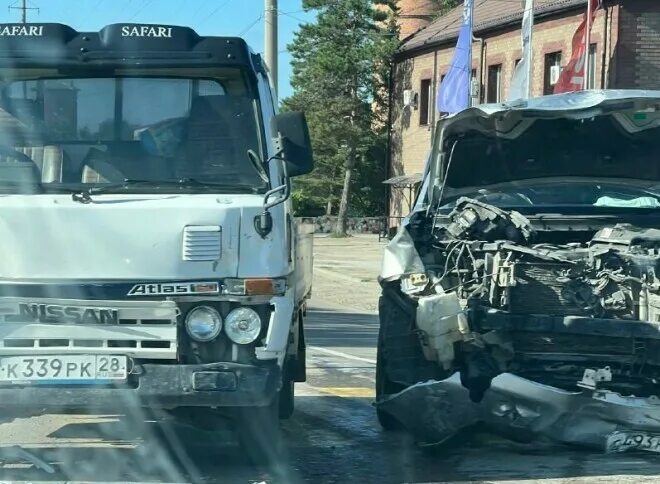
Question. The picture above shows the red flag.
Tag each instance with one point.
(572, 76)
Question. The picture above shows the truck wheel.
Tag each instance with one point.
(384, 387)
(259, 435)
(286, 397)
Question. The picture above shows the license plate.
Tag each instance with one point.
(622, 441)
(62, 369)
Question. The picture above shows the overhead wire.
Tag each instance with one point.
(122, 9)
(249, 27)
(214, 11)
(202, 4)
(288, 14)
(141, 9)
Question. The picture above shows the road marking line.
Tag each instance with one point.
(307, 390)
(354, 392)
(341, 354)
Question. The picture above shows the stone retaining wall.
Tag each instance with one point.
(356, 225)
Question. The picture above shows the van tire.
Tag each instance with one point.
(385, 387)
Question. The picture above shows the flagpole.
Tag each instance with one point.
(469, 76)
(530, 67)
(587, 41)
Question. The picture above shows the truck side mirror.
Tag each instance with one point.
(292, 131)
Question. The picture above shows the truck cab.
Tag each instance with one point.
(151, 254)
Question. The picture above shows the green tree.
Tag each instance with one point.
(341, 64)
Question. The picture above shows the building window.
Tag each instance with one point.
(549, 80)
(494, 86)
(425, 102)
(592, 67)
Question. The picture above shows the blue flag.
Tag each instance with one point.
(454, 91)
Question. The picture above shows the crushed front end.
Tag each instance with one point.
(543, 320)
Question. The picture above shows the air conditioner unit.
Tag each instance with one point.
(475, 88)
(555, 72)
(409, 98)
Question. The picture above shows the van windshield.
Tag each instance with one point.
(76, 132)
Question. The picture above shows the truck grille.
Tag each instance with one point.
(144, 329)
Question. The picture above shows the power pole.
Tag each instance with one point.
(23, 8)
(270, 40)
(530, 58)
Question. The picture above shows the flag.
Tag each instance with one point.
(520, 82)
(572, 77)
(454, 90)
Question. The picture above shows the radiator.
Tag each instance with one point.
(537, 290)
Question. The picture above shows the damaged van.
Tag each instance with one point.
(523, 291)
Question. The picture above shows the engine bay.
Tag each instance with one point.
(563, 308)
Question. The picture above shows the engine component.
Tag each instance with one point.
(474, 219)
(477, 372)
(486, 277)
(592, 377)
(442, 322)
(414, 283)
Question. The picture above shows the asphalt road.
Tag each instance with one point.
(333, 436)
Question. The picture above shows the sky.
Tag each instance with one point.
(207, 17)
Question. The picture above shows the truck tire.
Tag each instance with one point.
(286, 397)
(259, 436)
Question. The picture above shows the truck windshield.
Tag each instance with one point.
(65, 132)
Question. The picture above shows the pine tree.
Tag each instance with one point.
(340, 74)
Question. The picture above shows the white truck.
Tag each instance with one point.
(151, 257)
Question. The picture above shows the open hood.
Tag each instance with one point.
(604, 134)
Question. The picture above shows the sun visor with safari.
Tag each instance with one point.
(51, 44)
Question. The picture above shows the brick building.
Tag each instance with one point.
(625, 53)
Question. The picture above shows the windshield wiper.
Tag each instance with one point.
(85, 196)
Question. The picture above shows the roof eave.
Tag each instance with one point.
(405, 53)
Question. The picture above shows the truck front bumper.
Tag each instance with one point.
(159, 386)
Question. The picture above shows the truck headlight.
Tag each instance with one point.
(243, 325)
(203, 323)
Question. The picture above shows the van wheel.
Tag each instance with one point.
(385, 387)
